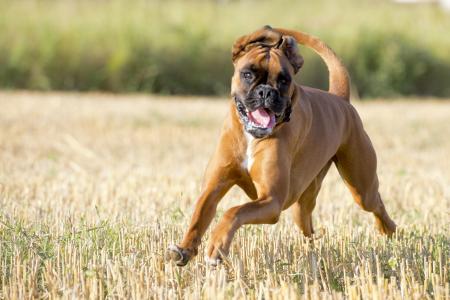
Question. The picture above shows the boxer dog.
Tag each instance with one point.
(278, 142)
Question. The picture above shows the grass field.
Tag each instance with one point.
(139, 45)
(94, 187)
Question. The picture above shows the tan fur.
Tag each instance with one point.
(338, 75)
(287, 167)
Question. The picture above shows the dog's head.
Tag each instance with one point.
(265, 63)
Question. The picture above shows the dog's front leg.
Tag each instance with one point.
(272, 182)
(220, 176)
(204, 212)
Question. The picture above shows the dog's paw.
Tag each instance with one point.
(213, 262)
(386, 226)
(216, 254)
(178, 255)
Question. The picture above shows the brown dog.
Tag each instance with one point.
(278, 143)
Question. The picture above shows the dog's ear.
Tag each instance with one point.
(265, 36)
(290, 49)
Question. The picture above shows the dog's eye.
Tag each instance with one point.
(283, 80)
(247, 75)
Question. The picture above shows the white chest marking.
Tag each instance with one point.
(248, 159)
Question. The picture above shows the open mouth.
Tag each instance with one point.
(259, 122)
(261, 118)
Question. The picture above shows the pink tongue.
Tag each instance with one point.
(260, 117)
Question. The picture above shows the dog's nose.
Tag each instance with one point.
(265, 91)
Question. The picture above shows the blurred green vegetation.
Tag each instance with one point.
(183, 47)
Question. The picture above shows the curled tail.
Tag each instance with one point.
(339, 80)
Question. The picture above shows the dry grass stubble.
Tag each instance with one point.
(94, 187)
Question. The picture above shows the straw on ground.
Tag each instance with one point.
(93, 188)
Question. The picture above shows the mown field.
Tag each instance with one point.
(94, 187)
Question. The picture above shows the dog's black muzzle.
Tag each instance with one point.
(265, 96)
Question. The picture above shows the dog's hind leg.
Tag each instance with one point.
(302, 209)
(357, 164)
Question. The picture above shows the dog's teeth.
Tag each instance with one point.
(255, 125)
